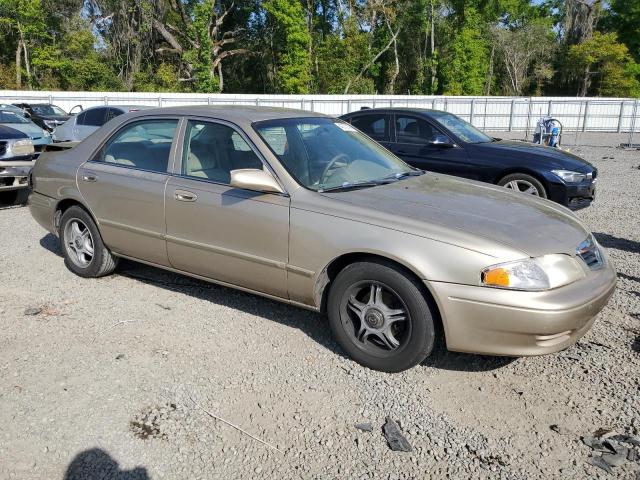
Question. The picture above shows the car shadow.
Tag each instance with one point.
(624, 244)
(311, 323)
(443, 359)
(96, 464)
(52, 243)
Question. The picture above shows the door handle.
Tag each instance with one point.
(185, 196)
(89, 177)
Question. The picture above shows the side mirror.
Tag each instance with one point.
(441, 140)
(256, 180)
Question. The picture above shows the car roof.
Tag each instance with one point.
(232, 113)
(426, 111)
(122, 107)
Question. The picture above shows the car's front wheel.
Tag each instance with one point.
(521, 182)
(380, 316)
(84, 253)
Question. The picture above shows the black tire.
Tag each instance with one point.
(102, 262)
(523, 179)
(417, 331)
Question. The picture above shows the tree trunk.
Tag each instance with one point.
(221, 77)
(396, 68)
(584, 83)
(487, 87)
(19, 65)
(433, 49)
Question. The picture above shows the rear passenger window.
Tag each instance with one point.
(375, 125)
(94, 117)
(212, 150)
(145, 145)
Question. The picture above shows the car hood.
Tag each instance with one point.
(29, 129)
(553, 157)
(528, 224)
(8, 133)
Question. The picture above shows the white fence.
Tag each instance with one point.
(487, 113)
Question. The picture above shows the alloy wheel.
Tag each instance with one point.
(523, 186)
(78, 242)
(375, 318)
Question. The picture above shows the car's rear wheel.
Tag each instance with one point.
(521, 182)
(380, 316)
(84, 253)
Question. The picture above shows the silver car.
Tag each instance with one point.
(80, 126)
(38, 136)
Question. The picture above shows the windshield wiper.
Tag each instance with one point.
(371, 183)
(352, 185)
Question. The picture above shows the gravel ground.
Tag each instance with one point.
(114, 377)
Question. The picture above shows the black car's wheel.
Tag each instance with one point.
(84, 253)
(521, 182)
(380, 316)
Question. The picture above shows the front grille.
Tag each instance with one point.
(590, 253)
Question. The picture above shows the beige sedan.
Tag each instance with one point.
(304, 209)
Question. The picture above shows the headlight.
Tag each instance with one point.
(570, 176)
(533, 274)
(51, 123)
(22, 147)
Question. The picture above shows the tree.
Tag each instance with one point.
(608, 62)
(24, 20)
(289, 45)
(522, 50)
(464, 61)
(623, 17)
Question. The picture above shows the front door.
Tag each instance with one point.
(231, 235)
(125, 183)
(422, 145)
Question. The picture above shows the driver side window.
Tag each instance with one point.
(212, 150)
(414, 130)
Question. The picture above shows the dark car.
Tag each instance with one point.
(45, 115)
(442, 142)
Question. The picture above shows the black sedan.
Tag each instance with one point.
(44, 115)
(442, 142)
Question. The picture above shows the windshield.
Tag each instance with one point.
(47, 110)
(463, 130)
(322, 153)
(11, 117)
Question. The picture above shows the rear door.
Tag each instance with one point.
(375, 125)
(228, 234)
(89, 121)
(124, 185)
(423, 145)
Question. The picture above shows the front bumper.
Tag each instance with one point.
(15, 177)
(574, 196)
(503, 322)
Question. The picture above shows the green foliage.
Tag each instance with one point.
(608, 61)
(463, 68)
(460, 47)
(292, 50)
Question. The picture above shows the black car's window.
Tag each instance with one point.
(374, 125)
(212, 150)
(94, 117)
(145, 144)
(464, 130)
(80, 118)
(47, 110)
(414, 130)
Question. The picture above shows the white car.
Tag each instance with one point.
(80, 126)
